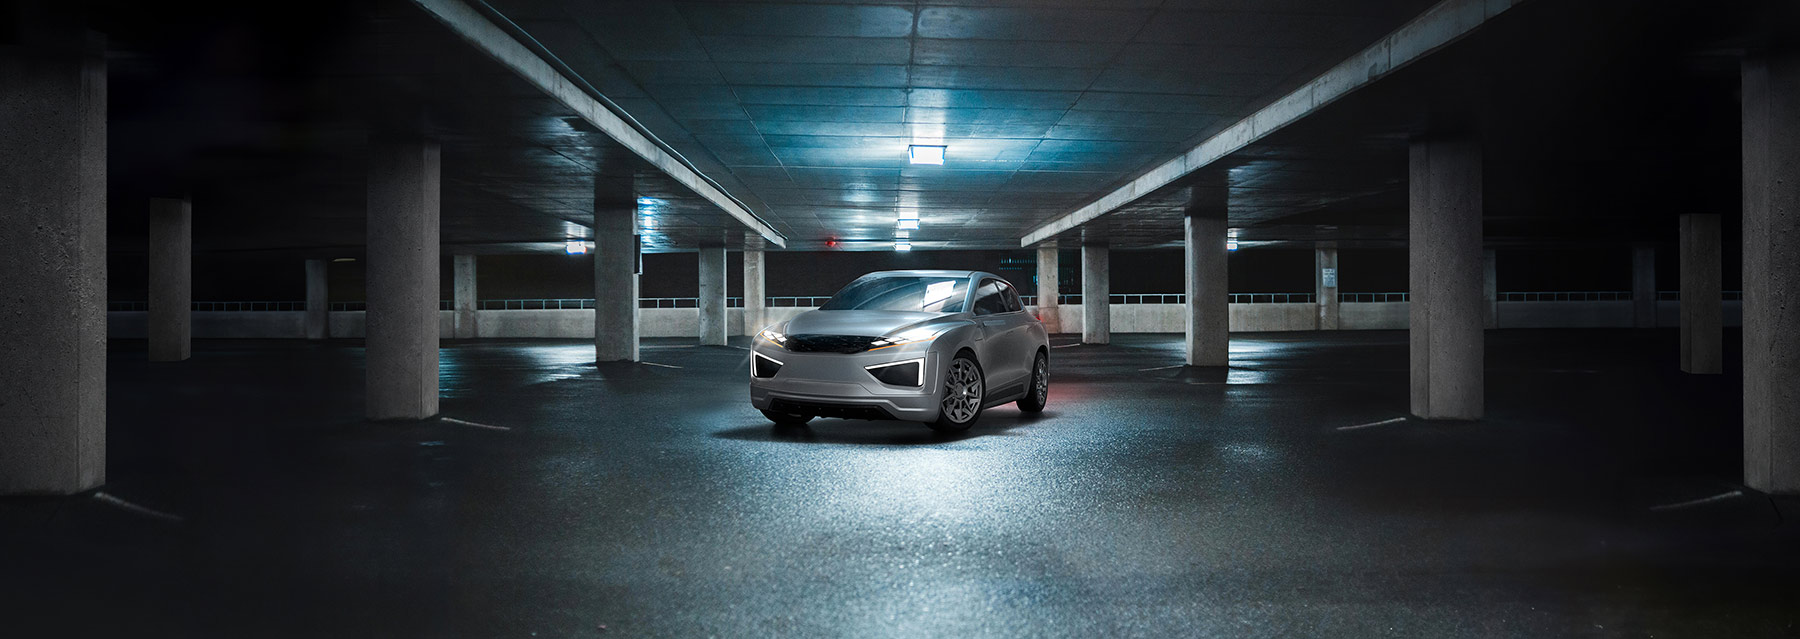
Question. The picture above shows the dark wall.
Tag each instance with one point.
(1372, 270)
(253, 277)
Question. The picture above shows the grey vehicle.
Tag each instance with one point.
(927, 346)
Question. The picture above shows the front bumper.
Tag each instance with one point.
(837, 385)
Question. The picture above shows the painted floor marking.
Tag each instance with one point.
(454, 420)
(131, 507)
(1698, 502)
(662, 365)
(1063, 345)
(1395, 420)
(1161, 368)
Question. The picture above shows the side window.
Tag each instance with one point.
(987, 298)
(1012, 297)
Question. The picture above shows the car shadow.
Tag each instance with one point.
(997, 421)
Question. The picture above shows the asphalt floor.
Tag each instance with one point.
(1287, 495)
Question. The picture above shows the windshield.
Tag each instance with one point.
(901, 293)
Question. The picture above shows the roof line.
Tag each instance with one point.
(1443, 23)
(479, 31)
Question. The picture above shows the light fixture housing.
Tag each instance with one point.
(925, 154)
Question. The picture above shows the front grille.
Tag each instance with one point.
(820, 409)
(829, 343)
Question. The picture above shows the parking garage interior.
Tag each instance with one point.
(434, 318)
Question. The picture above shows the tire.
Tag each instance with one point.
(1039, 394)
(787, 419)
(965, 388)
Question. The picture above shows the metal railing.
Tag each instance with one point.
(1273, 298)
(796, 301)
(1371, 298)
(643, 302)
(1031, 300)
(1180, 298)
(533, 304)
(1564, 296)
(211, 307)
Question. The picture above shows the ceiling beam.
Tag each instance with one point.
(1440, 25)
(475, 28)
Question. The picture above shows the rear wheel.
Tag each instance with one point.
(964, 389)
(1040, 385)
(787, 419)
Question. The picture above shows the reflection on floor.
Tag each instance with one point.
(1283, 496)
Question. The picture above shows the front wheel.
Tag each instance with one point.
(787, 419)
(964, 389)
(1034, 401)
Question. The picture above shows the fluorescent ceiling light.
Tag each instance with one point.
(1231, 245)
(909, 223)
(925, 154)
(902, 245)
(575, 247)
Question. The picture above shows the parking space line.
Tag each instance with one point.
(131, 507)
(1161, 368)
(1698, 502)
(662, 365)
(454, 420)
(1395, 420)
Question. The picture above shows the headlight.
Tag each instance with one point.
(910, 372)
(774, 336)
(914, 336)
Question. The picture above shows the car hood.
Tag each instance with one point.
(864, 323)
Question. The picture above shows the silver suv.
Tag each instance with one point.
(926, 346)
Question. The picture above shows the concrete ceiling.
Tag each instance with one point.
(805, 110)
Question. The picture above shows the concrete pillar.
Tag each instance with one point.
(1445, 271)
(1771, 143)
(463, 295)
(1490, 289)
(1049, 288)
(1208, 312)
(318, 300)
(1096, 295)
(755, 292)
(1643, 286)
(402, 318)
(170, 319)
(615, 285)
(712, 296)
(1702, 306)
(1325, 284)
(53, 257)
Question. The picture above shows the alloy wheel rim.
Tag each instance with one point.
(962, 391)
(1042, 373)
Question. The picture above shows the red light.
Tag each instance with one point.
(830, 243)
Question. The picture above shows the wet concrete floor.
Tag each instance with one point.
(247, 498)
